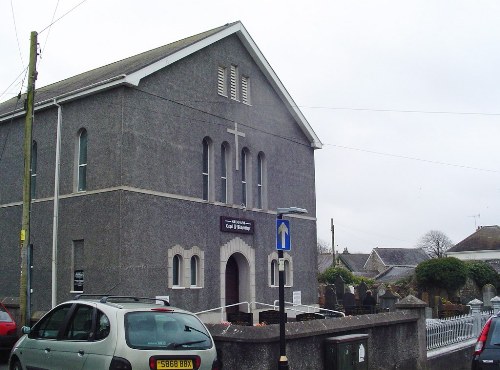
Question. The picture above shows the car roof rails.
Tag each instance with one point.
(105, 298)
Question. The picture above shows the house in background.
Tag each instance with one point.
(482, 245)
(355, 263)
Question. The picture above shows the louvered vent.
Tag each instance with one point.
(245, 90)
(221, 81)
(234, 82)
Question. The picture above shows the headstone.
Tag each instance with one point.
(240, 318)
(489, 292)
(350, 307)
(330, 297)
(362, 288)
(270, 317)
(425, 297)
(308, 316)
(389, 300)
(339, 288)
(381, 291)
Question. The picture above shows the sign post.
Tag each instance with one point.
(283, 243)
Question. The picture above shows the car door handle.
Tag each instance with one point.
(47, 350)
(81, 352)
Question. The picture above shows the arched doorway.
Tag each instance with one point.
(237, 268)
(232, 284)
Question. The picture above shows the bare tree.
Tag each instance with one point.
(435, 243)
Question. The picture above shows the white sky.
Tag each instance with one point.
(370, 76)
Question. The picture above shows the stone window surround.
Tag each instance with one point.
(274, 257)
(185, 267)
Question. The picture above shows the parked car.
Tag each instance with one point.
(115, 333)
(487, 351)
(8, 329)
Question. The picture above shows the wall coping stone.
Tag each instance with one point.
(411, 301)
(295, 330)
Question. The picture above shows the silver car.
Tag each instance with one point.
(115, 333)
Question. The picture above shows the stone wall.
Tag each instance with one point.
(393, 342)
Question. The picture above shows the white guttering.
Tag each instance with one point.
(74, 94)
(55, 223)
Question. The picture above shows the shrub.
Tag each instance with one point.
(331, 273)
(482, 273)
(444, 273)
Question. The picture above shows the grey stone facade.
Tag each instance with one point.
(144, 185)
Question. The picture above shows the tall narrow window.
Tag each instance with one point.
(34, 160)
(78, 265)
(194, 270)
(223, 173)
(244, 177)
(286, 273)
(274, 272)
(177, 270)
(234, 82)
(222, 81)
(206, 167)
(260, 180)
(245, 90)
(82, 161)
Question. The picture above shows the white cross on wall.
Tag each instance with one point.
(236, 133)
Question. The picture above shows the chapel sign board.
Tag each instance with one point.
(236, 225)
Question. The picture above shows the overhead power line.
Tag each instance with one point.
(62, 16)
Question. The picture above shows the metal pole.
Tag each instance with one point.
(333, 242)
(283, 361)
(55, 224)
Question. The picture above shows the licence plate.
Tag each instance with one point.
(174, 364)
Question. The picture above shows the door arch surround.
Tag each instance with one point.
(244, 256)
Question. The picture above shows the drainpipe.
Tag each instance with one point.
(55, 223)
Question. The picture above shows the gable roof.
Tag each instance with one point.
(131, 70)
(486, 238)
(401, 256)
(354, 261)
(395, 273)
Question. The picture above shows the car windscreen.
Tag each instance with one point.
(165, 330)
(494, 334)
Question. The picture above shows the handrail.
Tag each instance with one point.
(274, 305)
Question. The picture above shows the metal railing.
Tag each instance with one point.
(453, 330)
(294, 307)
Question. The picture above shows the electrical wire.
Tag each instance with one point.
(48, 34)
(62, 16)
(15, 29)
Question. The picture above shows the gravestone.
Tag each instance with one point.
(389, 300)
(270, 317)
(308, 316)
(489, 292)
(381, 291)
(362, 288)
(349, 304)
(339, 288)
(330, 297)
(240, 318)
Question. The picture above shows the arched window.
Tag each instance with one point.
(274, 272)
(82, 161)
(286, 273)
(195, 264)
(177, 270)
(260, 180)
(207, 169)
(244, 165)
(223, 172)
(34, 160)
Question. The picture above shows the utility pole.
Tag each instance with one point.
(333, 241)
(25, 230)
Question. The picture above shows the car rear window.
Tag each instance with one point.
(4, 316)
(165, 330)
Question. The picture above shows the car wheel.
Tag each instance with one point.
(16, 365)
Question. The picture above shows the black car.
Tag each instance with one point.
(487, 351)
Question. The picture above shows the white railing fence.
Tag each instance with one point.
(453, 330)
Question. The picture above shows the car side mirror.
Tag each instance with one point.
(26, 330)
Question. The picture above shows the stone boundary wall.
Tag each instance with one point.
(393, 342)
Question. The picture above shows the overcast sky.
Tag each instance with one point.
(404, 95)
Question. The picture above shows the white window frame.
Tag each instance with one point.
(81, 165)
(234, 83)
(245, 90)
(222, 81)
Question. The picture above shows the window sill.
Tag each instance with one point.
(195, 287)
(178, 287)
(76, 292)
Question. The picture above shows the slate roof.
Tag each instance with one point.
(395, 273)
(131, 70)
(325, 260)
(354, 261)
(401, 256)
(486, 238)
